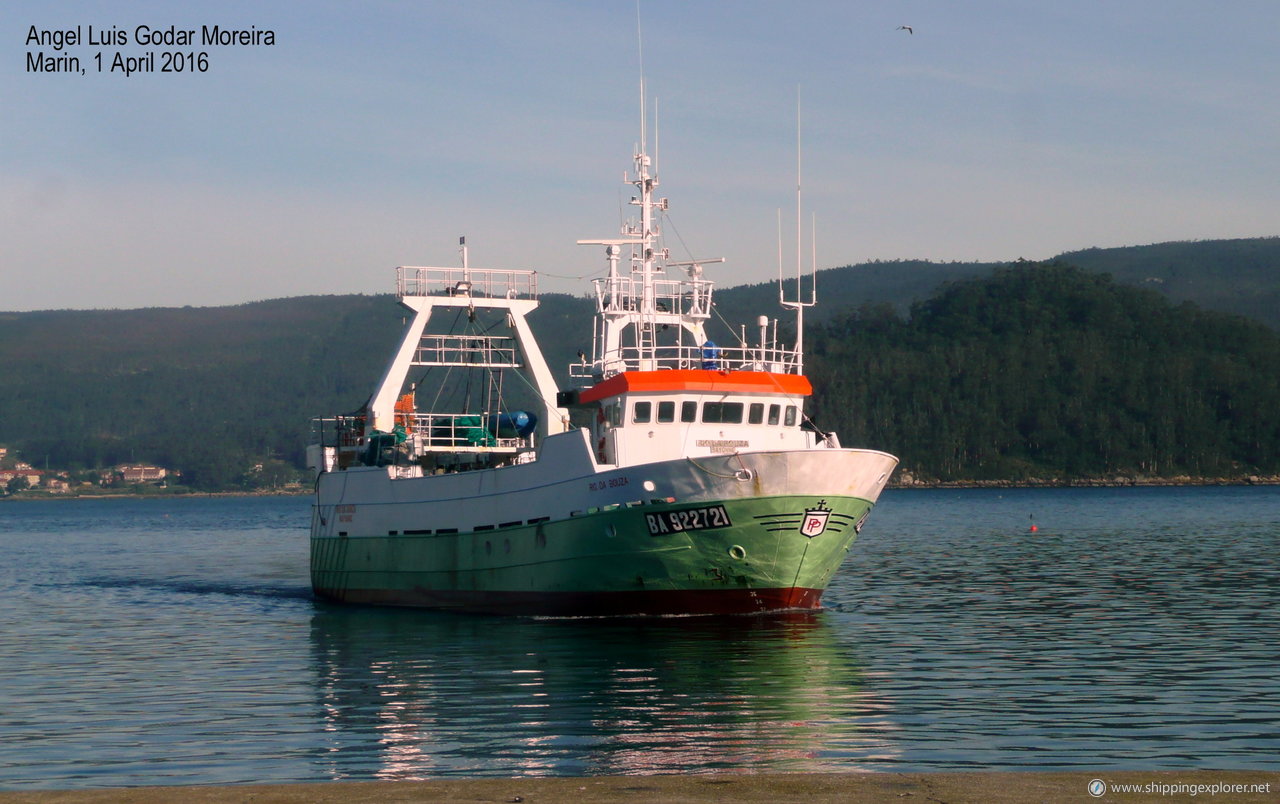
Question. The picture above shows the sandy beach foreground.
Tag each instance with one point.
(1125, 786)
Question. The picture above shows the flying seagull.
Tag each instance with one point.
(906, 28)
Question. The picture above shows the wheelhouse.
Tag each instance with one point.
(636, 416)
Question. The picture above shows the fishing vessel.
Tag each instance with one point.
(667, 475)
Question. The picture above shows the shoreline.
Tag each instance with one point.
(740, 788)
(1118, 481)
(125, 495)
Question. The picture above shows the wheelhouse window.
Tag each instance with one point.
(791, 416)
(666, 412)
(775, 414)
(722, 412)
(755, 414)
(688, 411)
(641, 413)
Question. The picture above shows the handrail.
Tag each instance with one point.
(482, 283)
(459, 431)
(664, 358)
(451, 432)
(490, 351)
(682, 297)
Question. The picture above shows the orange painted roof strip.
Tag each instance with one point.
(758, 382)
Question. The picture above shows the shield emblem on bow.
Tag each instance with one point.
(815, 520)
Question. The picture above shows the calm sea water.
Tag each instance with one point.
(176, 642)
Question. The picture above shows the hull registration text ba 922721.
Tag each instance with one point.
(704, 518)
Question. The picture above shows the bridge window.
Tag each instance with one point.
(722, 412)
(775, 412)
(688, 411)
(642, 412)
(666, 412)
(791, 416)
(755, 414)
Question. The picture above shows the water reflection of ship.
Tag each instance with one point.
(408, 695)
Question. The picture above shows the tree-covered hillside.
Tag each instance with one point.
(208, 391)
(1231, 276)
(1045, 370)
(1236, 276)
(1031, 371)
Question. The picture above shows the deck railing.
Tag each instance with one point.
(664, 358)
(424, 432)
(683, 297)
(460, 432)
(488, 283)
(489, 351)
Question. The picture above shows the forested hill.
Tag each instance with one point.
(1232, 276)
(1047, 371)
(207, 391)
(1235, 276)
(1029, 370)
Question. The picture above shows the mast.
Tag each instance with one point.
(799, 304)
(635, 301)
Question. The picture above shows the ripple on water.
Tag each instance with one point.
(176, 642)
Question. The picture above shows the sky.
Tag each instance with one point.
(374, 134)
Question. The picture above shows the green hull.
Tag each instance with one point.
(735, 555)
